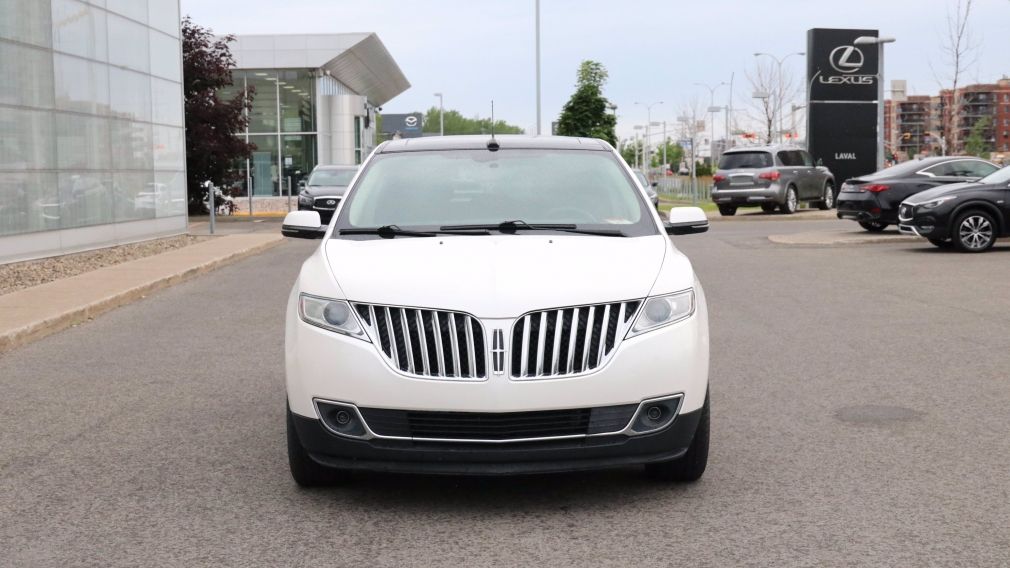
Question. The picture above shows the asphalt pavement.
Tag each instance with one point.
(860, 412)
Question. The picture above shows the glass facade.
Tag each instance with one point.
(91, 117)
(282, 125)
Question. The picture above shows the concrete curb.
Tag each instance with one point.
(33, 313)
(841, 238)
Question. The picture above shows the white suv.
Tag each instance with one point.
(496, 306)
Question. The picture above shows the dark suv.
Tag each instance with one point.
(771, 177)
(325, 189)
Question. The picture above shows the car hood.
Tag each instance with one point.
(318, 190)
(931, 194)
(501, 276)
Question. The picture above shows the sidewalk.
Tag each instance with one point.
(33, 313)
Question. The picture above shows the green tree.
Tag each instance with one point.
(674, 154)
(456, 123)
(585, 114)
(976, 143)
(629, 150)
(215, 112)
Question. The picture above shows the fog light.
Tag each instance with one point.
(343, 417)
(654, 413)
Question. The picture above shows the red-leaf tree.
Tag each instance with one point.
(212, 123)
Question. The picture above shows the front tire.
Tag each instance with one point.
(791, 203)
(873, 226)
(304, 470)
(691, 465)
(829, 197)
(974, 231)
(727, 210)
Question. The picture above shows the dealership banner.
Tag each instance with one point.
(402, 125)
(842, 81)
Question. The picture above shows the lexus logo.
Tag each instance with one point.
(846, 59)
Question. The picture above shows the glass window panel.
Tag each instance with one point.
(263, 165)
(132, 145)
(167, 102)
(263, 116)
(164, 15)
(86, 198)
(81, 85)
(79, 29)
(26, 140)
(169, 148)
(299, 155)
(130, 94)
(27, 75)
(297, 96)
(134, 196)
(28, 203)
(26, 21)
(129, 44)
(82, 142)
(171, 194)
(166, 56)
(134, 9)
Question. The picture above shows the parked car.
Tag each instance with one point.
(648, 186)
(968, 216)
(771, 177)
(325, 189)
(872, 200)
(457, 318)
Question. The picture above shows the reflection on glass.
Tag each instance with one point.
(26, 21)
(26, 139)
(81, 86)
(134, 9)
(130, 94)
(82, 142)
(79, 29)
(85, 198)
(297, 90)
(133, 195)
(170, 196)
(129, 44)
(167, 102)
(263, 115)
(166, 56)
(299, 155)
(28, 202)
(132, 145)
(169, 148)
(27, 76)
(263, 165)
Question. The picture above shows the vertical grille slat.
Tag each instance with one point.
(568, 341)
(426, 343)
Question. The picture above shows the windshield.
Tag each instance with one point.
(745, 160)
(332, 177)
(997, 177)
(431, 189)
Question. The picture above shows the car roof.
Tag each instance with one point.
(771, 148)
(478, 142)
(334, 168)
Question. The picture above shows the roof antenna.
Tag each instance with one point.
(492, 144)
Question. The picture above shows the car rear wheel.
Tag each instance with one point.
(941, 243)
(727, 210)
(305, 471)
(974, 231)
(691, 465)
(768, 207)
(873, 226)
(792, 202)
(829, 197)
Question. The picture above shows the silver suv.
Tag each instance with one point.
(772, 177)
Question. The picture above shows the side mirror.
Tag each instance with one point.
(303, 225)
(686, 221)
(655, 184)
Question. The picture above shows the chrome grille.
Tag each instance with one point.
(327, 203)
(427, 343)
(568, 341)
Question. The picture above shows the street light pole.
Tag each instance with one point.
(441, 115)
(879, 42)
(711, 106)
(778, 102)
(648, 123)
(538, 64)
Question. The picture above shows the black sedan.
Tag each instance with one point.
(969, 216)
(325, 189)
(873, 200)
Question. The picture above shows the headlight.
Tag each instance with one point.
(304, 198)
(334, 315)
(935, 203)
(661, 311)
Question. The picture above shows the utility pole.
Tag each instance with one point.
(648, 122)
(538, 64)
(879, 42)
(781, 93)
(712, 109)
(441, 115)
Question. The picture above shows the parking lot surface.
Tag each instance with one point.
(860, 410)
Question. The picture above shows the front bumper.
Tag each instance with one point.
(749, 196)
(405, 456)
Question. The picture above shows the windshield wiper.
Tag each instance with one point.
(511, 227)
(390, 231)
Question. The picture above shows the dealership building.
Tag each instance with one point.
(92, 144)
(315, 102)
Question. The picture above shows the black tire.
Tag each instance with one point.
(791, 203)
(768, 207)
(973, 231)
(727, 210)
(304, 470)
(941, 243)
(829, 197)
(691, 465)
(873, 226)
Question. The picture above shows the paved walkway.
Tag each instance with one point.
(843, 237)
(36, 312)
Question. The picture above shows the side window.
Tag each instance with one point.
(808, 160)
(976, 168)
(789, 158)
(941, 170)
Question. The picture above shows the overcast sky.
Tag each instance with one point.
(476, 50)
